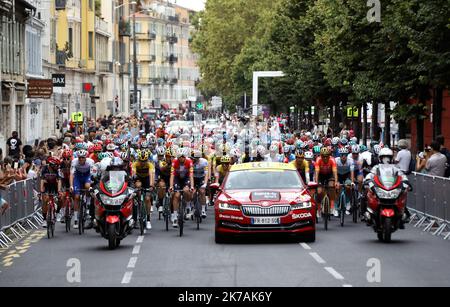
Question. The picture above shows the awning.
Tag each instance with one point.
(20, 87)
(27, 5)
(7, 85)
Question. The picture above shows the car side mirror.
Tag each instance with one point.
(312, 186)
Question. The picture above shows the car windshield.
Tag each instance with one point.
(264, 179)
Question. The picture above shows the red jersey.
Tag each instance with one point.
(182, 170)
(326, 168)
(94, 157)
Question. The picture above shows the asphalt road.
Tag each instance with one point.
(349, 256)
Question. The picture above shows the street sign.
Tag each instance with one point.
(352, 112)
(77, 117)
(40, 88)
(59, 80)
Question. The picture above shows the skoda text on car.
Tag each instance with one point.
(263, 197)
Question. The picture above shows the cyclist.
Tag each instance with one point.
(201, 176)
(326, 175)
(358, 166)
(143, 172)
(64, 174)
(181, 178)
(50, 183)
(301, 165)
(80, 178)
(345, 169)
(309, 156)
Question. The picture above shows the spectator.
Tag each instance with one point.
(14, 145)
(441, 140)
(404, 157)
(436, 162)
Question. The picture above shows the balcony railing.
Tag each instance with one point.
(173, 81)
(156, 80)
(101, 25)
(146, 58)
(61, 58)
(60, 4)
(175, 18)
(105, 67)
(125, 69)
(171, 38)
(152, 36)
(124, 28)
(143, 80)
(171, 58)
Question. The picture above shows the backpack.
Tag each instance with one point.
(412, 164)
(446, 153)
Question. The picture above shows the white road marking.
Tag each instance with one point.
(127, 277)
(132, 263)
(334, 273)
(136, 249)
(347, 286)
(317, 258)
(305, 246)
(140, 239)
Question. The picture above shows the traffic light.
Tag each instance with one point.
(199, 106)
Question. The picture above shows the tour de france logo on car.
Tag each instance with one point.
(257, 196)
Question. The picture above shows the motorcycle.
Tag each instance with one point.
(386, 202)
(114, 207)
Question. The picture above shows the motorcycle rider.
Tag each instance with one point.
(387, 163)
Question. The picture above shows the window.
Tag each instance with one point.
(71, 40)
(91, 5)
(91, 45)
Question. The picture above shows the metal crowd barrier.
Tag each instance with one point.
(429, 203)
(23, 211)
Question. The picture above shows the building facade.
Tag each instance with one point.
(167, 68)
(14, 15)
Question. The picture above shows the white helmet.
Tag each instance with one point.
(376, 149)
(354, 139)
(386, 156)
(386, 152)
(82, 153)
(184, 152)
(111, 146)
(335, 140)
(116, 161)
(160, 151)
(309, 155)
(273, 148)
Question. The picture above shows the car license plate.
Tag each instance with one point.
(265, 220)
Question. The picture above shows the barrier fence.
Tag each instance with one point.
(21, 213)
(429, 202)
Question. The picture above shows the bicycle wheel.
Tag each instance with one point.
(355, 206)
(166, 210)
(49, 222)
(81, 219)
(341, 206)
(198, 215)
(141, 217)
(326, 211)
(181, 217)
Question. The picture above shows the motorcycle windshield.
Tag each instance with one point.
(387, 176)
(114, 181)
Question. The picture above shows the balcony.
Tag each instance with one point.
(61, 58)
(105, 67)
(125, 69)
(173, 81)
(175, 18)
(146, 58)
(101, 26)
(144, 80)
(171, 59)
(156, 81)
(60, 4)
(124, 28)
(152, 36)
(171, 38)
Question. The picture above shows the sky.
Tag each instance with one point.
(196, 5)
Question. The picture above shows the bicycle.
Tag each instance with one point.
(68, 212)
(166, 209)
(142, 209)
(197, 209)
(51, 215)
(82, 215)
(325, 206)
(342, 203)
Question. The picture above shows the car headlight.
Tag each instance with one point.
(383, 194)
(302, 205)
(226, 206)
(112, 201)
